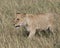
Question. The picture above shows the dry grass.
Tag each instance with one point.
(10, 37)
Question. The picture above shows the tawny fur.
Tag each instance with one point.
(35, 21)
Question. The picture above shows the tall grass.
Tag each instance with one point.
(10, 37)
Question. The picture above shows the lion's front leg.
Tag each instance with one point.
(32, 33)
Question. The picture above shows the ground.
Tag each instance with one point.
(10, 37)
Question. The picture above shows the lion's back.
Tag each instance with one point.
(41, 21)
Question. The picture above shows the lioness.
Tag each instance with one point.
(35, 21)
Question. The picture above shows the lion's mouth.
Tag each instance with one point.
(21, 24)
(17, 26)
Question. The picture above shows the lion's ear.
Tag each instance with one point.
(17, 14)
(24, 15)
(21, 14)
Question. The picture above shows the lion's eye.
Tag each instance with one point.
(17, 19)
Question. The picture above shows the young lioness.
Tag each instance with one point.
(35, 21)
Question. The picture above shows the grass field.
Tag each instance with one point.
(10, 37)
